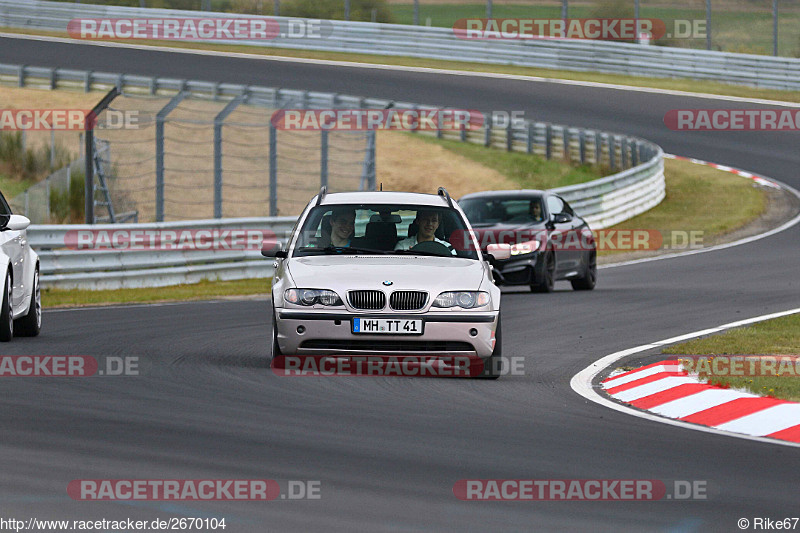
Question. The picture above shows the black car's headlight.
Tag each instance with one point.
(312, 296)
(527, 247)
(465, 299)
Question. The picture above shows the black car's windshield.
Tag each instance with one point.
(385, 229)
(514, 210)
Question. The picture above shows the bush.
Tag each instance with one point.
(29, 163)
(67, 206)
(334, 9)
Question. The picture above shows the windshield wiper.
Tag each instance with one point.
(416, 252)
(351, 249)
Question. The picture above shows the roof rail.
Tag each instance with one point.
(322, 192)
(443, 192)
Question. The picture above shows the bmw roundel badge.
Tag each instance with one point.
(388, 283)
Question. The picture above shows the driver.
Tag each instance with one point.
(342, 226)
(427, 224)
(536, 211)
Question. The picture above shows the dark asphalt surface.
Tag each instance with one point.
(388, 450)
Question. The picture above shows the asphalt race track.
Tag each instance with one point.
(388, 450)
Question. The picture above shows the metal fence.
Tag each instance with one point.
(442, 43)
(51, 200)
(195, 157)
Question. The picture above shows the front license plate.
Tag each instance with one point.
(400, 326)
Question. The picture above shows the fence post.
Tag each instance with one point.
(89, 152)
(368, 171)
(218, 123)
(439, 123)
(487, 133)
(548, 141)
(273, 170)
(582, 145)
(598, 148)
(47, 195)
(530, 138)
(634, 153)
(565, 141)
(509, 137)
(612, 149)
(323, 158)
(623, 150)
(161, 116)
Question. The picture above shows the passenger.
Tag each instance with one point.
(427, 224)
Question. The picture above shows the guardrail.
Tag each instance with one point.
(442, 43)
(63, 266)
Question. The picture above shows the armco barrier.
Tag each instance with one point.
(68, 268)
(441, 43)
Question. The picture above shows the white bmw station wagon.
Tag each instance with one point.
(387, 274)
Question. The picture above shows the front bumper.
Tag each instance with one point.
(516, 271)
(330, 332)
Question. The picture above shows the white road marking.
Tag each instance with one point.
(581, 382)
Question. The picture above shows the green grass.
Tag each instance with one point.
(11, 187)
(726, 31)
(780, 336)
(526, 170)
(701, 199)
(634, 81)
(205, 290)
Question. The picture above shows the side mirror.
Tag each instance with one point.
(272, 248)
(14, 222)
(499, 252)
(562, 218)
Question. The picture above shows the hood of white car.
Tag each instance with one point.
(392, 272)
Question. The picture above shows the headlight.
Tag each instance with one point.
(526, 247)
(465, 299)
(312, 296)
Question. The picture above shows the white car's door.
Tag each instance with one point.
(12, 244)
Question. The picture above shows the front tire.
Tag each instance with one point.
(6, 315)
(589, 279)
(31, 324)
(545, 280)
(493, 365)
(275, 350)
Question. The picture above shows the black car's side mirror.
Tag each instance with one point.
(562, 218)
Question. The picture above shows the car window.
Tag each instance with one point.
(514, 210)
(4, 208)
(568, 209)
(380, 228)
(555, 205)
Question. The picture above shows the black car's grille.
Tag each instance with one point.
(389, 346)
(408, 300)
(367, 299)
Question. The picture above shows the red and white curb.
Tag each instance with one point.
(761, 180)
(665, 389)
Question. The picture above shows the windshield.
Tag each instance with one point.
(385, 229)
(515, 210)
